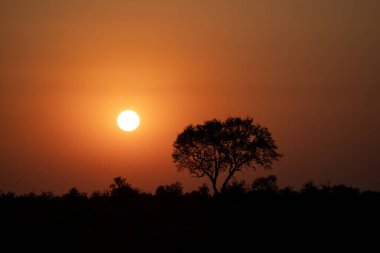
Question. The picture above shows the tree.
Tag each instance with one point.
(120, 188)
(224, 147)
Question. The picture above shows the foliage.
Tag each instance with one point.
(120, 188)
(265, 184)
(224, 147)
(236, 188)
(204, 191)
(74, 194)
(172, 190)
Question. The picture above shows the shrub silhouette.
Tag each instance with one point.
(74, 195)
(120, 188)
(265, 184)
(204, 191)
(236, 188)
(97, 195)
(344, 191)
(172, 190)
(8, 196)
(47, 196)
(310, 188)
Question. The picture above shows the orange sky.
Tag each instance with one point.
(308, 70)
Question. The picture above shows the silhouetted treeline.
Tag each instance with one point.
(266, 187)
(171, 220)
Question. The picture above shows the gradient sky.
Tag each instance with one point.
(307, 70)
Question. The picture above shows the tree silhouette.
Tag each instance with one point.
(120, 188)
(218, 147)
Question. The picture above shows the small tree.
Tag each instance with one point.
(227, 147)
(120, 188)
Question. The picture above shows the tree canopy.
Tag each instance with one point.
(224, 147)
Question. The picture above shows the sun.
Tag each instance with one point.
(128, 120)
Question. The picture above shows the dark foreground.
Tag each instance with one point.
(246, 223)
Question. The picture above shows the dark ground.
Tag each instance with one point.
(244, 223)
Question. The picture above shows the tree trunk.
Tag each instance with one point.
(215, 188)
(225, 184)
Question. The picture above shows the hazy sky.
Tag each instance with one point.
(307, 70)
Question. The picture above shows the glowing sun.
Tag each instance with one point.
(128, 120)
